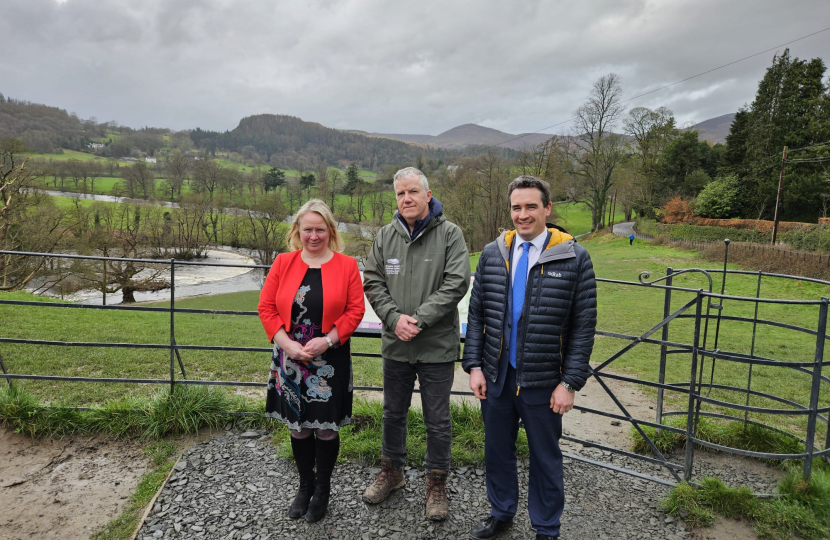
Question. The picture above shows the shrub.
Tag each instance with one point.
(677, 211)
(719, 199)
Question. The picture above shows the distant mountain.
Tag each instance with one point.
(470, 135)
(715, 129)
(288, 138)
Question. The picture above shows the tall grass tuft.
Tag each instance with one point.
(119, 418)
(186, 410)
(803, 508)
(21, 412)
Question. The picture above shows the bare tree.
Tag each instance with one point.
(206, 175)
(122, 233)
(191, 240)
(335, 178)
(139, 180)
(594, 151)
(178, 167)
(265, 234)
(29, 221)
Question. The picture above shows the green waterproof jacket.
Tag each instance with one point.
(424, 278)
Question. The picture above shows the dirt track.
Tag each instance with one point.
(64, 489)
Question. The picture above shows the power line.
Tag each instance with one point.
(666, 86)
(808, 160)
(825, 143)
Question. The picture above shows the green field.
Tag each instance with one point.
(575, 217)
(634, 310)
(624, 309)
(67, 155)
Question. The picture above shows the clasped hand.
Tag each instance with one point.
(314, 348)
(407, 328)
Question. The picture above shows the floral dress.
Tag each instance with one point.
(317, 393)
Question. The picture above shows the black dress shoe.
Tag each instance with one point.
(488, 528)
(546, 537)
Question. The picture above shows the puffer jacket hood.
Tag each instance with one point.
(559, 245)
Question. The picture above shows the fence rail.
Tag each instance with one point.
(704, 309)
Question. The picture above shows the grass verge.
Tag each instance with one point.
(802, 509)
(191, 408)
(732, 434)
(162, 458)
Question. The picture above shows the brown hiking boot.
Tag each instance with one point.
(388, 479)
(436, 496)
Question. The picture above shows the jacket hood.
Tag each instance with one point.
(560, 245)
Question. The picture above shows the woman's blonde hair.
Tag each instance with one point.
(319, 207)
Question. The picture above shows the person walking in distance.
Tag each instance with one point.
(417, 272)
(530, 332)
(631, 239)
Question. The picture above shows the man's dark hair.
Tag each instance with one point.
(527, 181)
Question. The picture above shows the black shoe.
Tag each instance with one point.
(319, 503)
(489, 527)
(546, 537)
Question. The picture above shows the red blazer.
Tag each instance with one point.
(343, 305)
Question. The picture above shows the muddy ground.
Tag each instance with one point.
(64, 489)
(70, 488)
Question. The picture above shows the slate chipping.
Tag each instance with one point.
(232, 487)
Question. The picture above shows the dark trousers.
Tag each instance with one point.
(435, 381)
(546, 495)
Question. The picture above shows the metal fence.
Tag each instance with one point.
(704, 309)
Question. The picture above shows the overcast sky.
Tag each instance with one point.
(386, 66)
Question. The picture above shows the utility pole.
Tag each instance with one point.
(613, 209)
(778, 199)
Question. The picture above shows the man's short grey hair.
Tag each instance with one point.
(410, 171)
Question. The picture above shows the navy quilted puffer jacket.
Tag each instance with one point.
(556, 330)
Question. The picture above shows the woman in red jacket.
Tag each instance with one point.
(310, 304)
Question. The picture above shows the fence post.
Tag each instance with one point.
(664, 347)
(104, 288)
(809, 442)
(752, 347)
(3, 366)
(690, 414)
(172, 325)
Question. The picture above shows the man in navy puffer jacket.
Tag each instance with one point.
(530, 332)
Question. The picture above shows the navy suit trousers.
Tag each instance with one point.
(501, 414)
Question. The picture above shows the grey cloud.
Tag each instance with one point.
(388, 66)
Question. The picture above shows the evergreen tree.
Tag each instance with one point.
(352, 179)
(273, 179)
(789, 109)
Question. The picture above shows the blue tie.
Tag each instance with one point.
(519, 286)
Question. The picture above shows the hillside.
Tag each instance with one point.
(471, 135)
(715, 129)
(43, 128)
(288, 139)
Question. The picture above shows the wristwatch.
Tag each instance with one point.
(568, 387)
(328, 340)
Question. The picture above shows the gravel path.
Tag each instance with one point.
(232, 487)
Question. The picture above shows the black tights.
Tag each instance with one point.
(322, 434)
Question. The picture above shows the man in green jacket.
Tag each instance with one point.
(417, 272)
